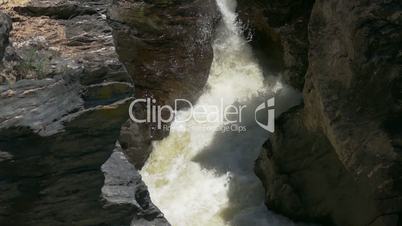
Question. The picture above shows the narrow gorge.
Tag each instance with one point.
(196, 174)
(200, 112)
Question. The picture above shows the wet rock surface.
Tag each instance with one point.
(166, 47)
(179, 33)
(337, 159)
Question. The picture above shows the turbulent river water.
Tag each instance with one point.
(202, 176)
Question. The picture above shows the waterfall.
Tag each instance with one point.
(201, 176)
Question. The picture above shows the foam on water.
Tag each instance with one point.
(200, 177)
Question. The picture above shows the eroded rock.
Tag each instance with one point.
(166, 47)
(337, 159)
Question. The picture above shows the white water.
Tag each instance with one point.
(199, 177)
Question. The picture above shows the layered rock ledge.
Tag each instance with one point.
(64, 97)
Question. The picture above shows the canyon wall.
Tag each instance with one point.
(336, 159)
(70, 70)
(64, 96)
(66, 83)
(277, 30)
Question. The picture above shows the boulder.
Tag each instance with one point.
(166, 47)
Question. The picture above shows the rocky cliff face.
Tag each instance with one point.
(337, 159)
(64, 97)
(166, 47)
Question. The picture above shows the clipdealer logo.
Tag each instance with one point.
(268, 107)
(161, 115)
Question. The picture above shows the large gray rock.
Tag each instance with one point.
(57, 180)
(338, 159)
(166, 47)
(123, 185)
